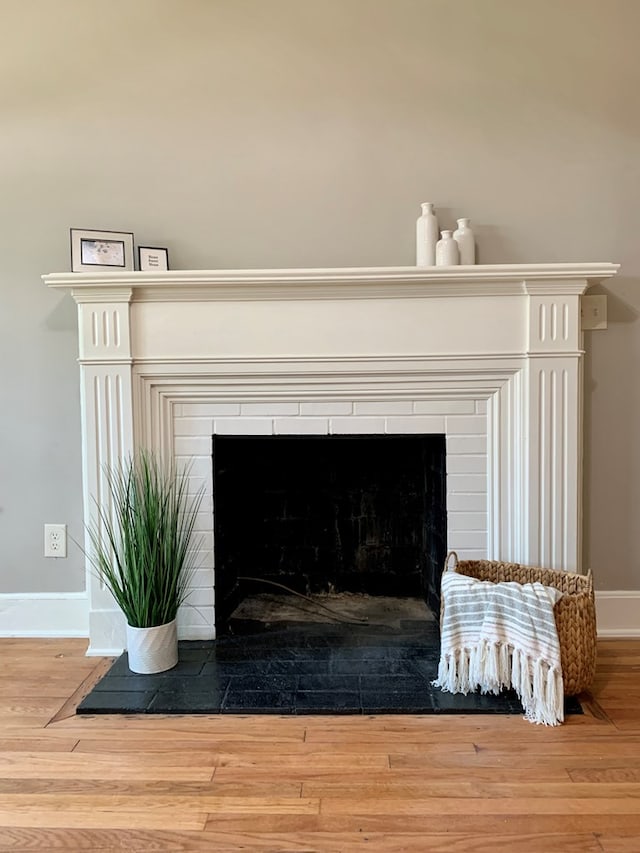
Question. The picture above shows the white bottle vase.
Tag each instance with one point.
(463, 235)
(447, 254)
(426, 236)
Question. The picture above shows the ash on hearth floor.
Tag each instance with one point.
(299, 669)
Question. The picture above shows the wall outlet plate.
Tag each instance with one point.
(593, 312)
(55, 540)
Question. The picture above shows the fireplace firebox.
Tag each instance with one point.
(328, 514)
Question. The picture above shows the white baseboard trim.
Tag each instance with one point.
(103, 653)
(66, 614)
(108, 633)
(618, 612)
(44, 614)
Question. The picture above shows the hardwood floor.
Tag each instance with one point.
(469, 784)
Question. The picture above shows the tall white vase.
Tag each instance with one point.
(447, 254)
(464, 237)
(426, 236)
(152, 649)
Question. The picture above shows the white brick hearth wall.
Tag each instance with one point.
(489, 356)
(464, 423)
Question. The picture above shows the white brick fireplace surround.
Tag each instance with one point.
(489, 356)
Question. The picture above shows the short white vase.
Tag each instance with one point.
(426, 236)
(463, 235)
(447, 254)
(152, 649)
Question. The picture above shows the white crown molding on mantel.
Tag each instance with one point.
(332, 283)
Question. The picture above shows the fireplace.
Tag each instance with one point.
(489, 358)
(328, 514)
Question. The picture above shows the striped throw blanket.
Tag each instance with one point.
(497, 635)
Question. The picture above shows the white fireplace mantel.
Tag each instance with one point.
(489, 356)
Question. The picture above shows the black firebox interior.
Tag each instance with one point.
(353, 513)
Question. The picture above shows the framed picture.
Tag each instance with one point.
(101, 250)
(150, 258)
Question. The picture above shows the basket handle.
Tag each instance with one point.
(451, 555)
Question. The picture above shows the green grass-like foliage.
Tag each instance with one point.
(142, 545)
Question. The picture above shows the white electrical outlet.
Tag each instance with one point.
(593, 312)
(55, 540)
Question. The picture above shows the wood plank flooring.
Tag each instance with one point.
(461, 784)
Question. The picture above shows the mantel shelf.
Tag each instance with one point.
(331, 283)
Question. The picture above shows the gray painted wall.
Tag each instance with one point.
(276, 133)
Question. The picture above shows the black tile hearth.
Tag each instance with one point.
(307, 668)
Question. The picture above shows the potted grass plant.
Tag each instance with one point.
(142, 549)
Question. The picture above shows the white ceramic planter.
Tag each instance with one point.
(152, 649)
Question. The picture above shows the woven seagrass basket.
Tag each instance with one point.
(575, 612)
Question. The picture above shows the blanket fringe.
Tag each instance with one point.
(491, 667)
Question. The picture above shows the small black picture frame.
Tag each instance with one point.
(152, 259)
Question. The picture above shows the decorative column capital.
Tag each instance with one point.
(104, 332)
(554, 325)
